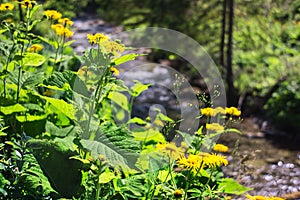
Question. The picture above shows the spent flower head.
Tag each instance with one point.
(113, 47)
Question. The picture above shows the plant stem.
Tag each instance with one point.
(98, 191)
(187, 185)
(19, 83)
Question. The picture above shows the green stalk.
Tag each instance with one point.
(98, 190)
(19, 83)
(187, 185)
(62, 49)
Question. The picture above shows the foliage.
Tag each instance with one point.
(282, 107)
(67, 134)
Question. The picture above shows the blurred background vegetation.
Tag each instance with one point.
(255, 43)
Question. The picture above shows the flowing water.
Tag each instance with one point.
(270, 165)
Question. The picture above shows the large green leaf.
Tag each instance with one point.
(148, 135)
(6, 110)
(30, 59)
(30, 118)
(60, 79)
(61, 105)
(120, 99)
(231, 186)
(54, 159)
(115, 144)
(60, 132)
(138, 88)
(34, 179)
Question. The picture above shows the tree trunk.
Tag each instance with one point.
(223, 34)
(231, 95)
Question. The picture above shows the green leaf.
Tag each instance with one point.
(7, 110)
(137, 120)
(231, 186)
(60, 132)
(115, 143)
(62, 106)
(111, 153)
(31, 59)
(148, 135)
(106, 177)
(33, 177)
(138, 88)
(120, 99)
(125, 58)
(30, 118)
(163, 117)
(68, 43)
(50, 42)
(53, 157)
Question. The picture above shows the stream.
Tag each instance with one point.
(270, 164)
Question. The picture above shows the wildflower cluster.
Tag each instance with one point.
(249, 197)
(62, 30)
(212, 112)
(62, 27)
(201, 160)
(97, 38)
(170, 149)
(28, 3)
(52, 14)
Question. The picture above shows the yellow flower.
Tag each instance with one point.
(220, 148)
(214, 127)
(178, 193)
(115, 71)
(52, 14)
(28, 3)
(208, 112)
(214, 160)
(98, 37)
(68, 33)
(84, 71)
(220, 110)
(249, 197)
(101, 37)
(6, 6)
(192, 162)
(61, 30)
(35, 48)
(113, 47)
(170, 149)
(233, 111)
(65, 21)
